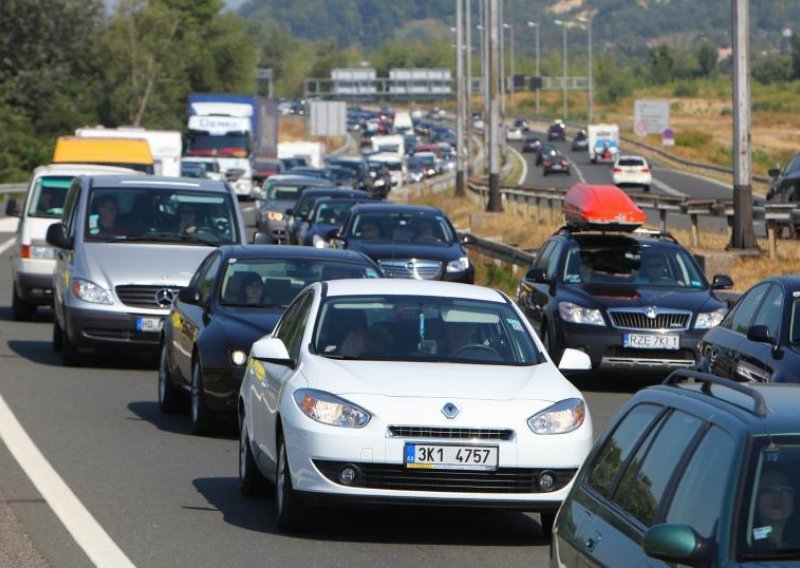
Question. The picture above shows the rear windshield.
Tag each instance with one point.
(47, 196)
(416, 228)
(161, 215)
(630, 162)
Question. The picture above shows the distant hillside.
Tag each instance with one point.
(627, 25)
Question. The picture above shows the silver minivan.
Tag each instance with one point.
(32, 259)
(125, 246)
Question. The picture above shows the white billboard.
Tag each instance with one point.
(328, 118)
(650, 116)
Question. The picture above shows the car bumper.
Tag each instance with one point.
(632, 179)
(92, 329)
(605, 348)
(34, 281)
(318, 454)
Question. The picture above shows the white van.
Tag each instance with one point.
(32, 259)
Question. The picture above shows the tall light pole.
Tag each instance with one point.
(468, 118)
(535, 26)
(502, 52)
(563, 25)
(494, 30)
(460, 101)
(588, 21)
(510, 27)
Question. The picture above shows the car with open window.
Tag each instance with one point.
(697, 471)
(400, 392)
(759, 339)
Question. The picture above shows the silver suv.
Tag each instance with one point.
(126, 245)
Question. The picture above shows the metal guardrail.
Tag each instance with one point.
(6, 188)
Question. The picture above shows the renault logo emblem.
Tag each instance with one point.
(450, 410)
(165, 297)
(650, 312)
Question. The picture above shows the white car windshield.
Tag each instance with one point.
(421, 328)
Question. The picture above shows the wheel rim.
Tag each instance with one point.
(281, 482)
(195, 393)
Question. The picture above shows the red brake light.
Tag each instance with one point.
(617, 170)
(547, 163)
(25, 251)
(645, 170)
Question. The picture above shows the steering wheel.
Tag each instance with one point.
(479, 347)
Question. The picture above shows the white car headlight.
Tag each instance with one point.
(39, 252)
(458, 265)
(90, 292)
(574, 313)
(564, 416)
(319, 242)
(275, 215)
(330, 409)
(707, 320)
(238, 357)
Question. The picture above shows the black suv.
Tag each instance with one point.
(697, 471)
(633, 301)
(557, 131)
(784, 187)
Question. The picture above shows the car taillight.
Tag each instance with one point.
(617, 170)
(547, 163)
(563, 162)
(645, 170)
(25, 251)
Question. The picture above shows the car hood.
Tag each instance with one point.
(280, 205)
(143, 264)
(438, 380)
(247, 324)
(599, 296)
(387, 250)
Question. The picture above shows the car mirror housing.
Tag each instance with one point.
(761, 334)
(678, 544)
(57, 236)
(537, 275)
(189, 295)
(271, 350)
(575, 360)
(773, 172)
(468, 239)
(12, 208)
(262, 238)
(722, 282)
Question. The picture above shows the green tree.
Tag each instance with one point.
(707, 59)
(662, 65)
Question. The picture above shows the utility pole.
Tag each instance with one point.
(535, 26)
(494, 28)
(468, 29)
(485, 75)
(510, 28)
(502, 58)
(589, 21)
(460, 101)
(743, 236)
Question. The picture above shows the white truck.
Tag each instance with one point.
(314, 152)
(603, 142)
(165, 145)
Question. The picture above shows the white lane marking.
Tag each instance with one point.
(86, 531)
(9, 224)
(579, 172)
(524, 175)
(6, 245)
(667, 188)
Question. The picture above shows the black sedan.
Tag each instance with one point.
(543, 151)
(325, 219)
(580, 142)
(408, 241)
(236, 296)
(531, 144)
(634, 302)
(555, 164)
(297, 215)
(784, 186)
(759, 340)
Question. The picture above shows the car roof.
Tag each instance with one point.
(83, 169)
(294, 178)
(334, 191)
(592, 237)
(631, 157)
(388, 207)
(292, 251)
(162, 182)
(403, 287)
(791, 281)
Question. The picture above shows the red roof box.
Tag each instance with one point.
(601, 208)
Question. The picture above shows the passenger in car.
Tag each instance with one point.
(107, 224)
(775, 509)
(653, 271)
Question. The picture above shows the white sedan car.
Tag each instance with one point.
(632, 171)
(409, 392)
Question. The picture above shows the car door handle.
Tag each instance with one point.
(592, 541)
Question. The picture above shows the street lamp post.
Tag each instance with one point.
(563, 25)
(510, 27)
(535, 26)
(589, 22)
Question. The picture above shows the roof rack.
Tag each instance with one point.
(651, 233)
(759, 403)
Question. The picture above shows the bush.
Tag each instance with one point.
(727, 111)
(685, 90)
(693, 139)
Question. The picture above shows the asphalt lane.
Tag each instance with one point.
(168, 498)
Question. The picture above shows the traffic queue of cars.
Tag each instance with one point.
(354, 381)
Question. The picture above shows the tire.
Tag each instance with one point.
(547, 340)
(289, 510)
(20, 309)
(251, 480)
(169, 397)
(201, 417)
(70, 356)
(546, 521)
(58, 336)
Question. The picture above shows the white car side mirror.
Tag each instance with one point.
(272, 350)
(575, 360)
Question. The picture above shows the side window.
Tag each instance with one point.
(700, 493)
(71, 207)
(743, 312)
(541, 259)
(771, 310)
(646, 478)
(616, 450)
(206, 281)
(201, 271)
(293, 326)
(554, 255)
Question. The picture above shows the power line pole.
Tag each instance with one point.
(743, 236)
(485, 74)
(494, 27)
(468, 29)
(460, 100)
(535, 26)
